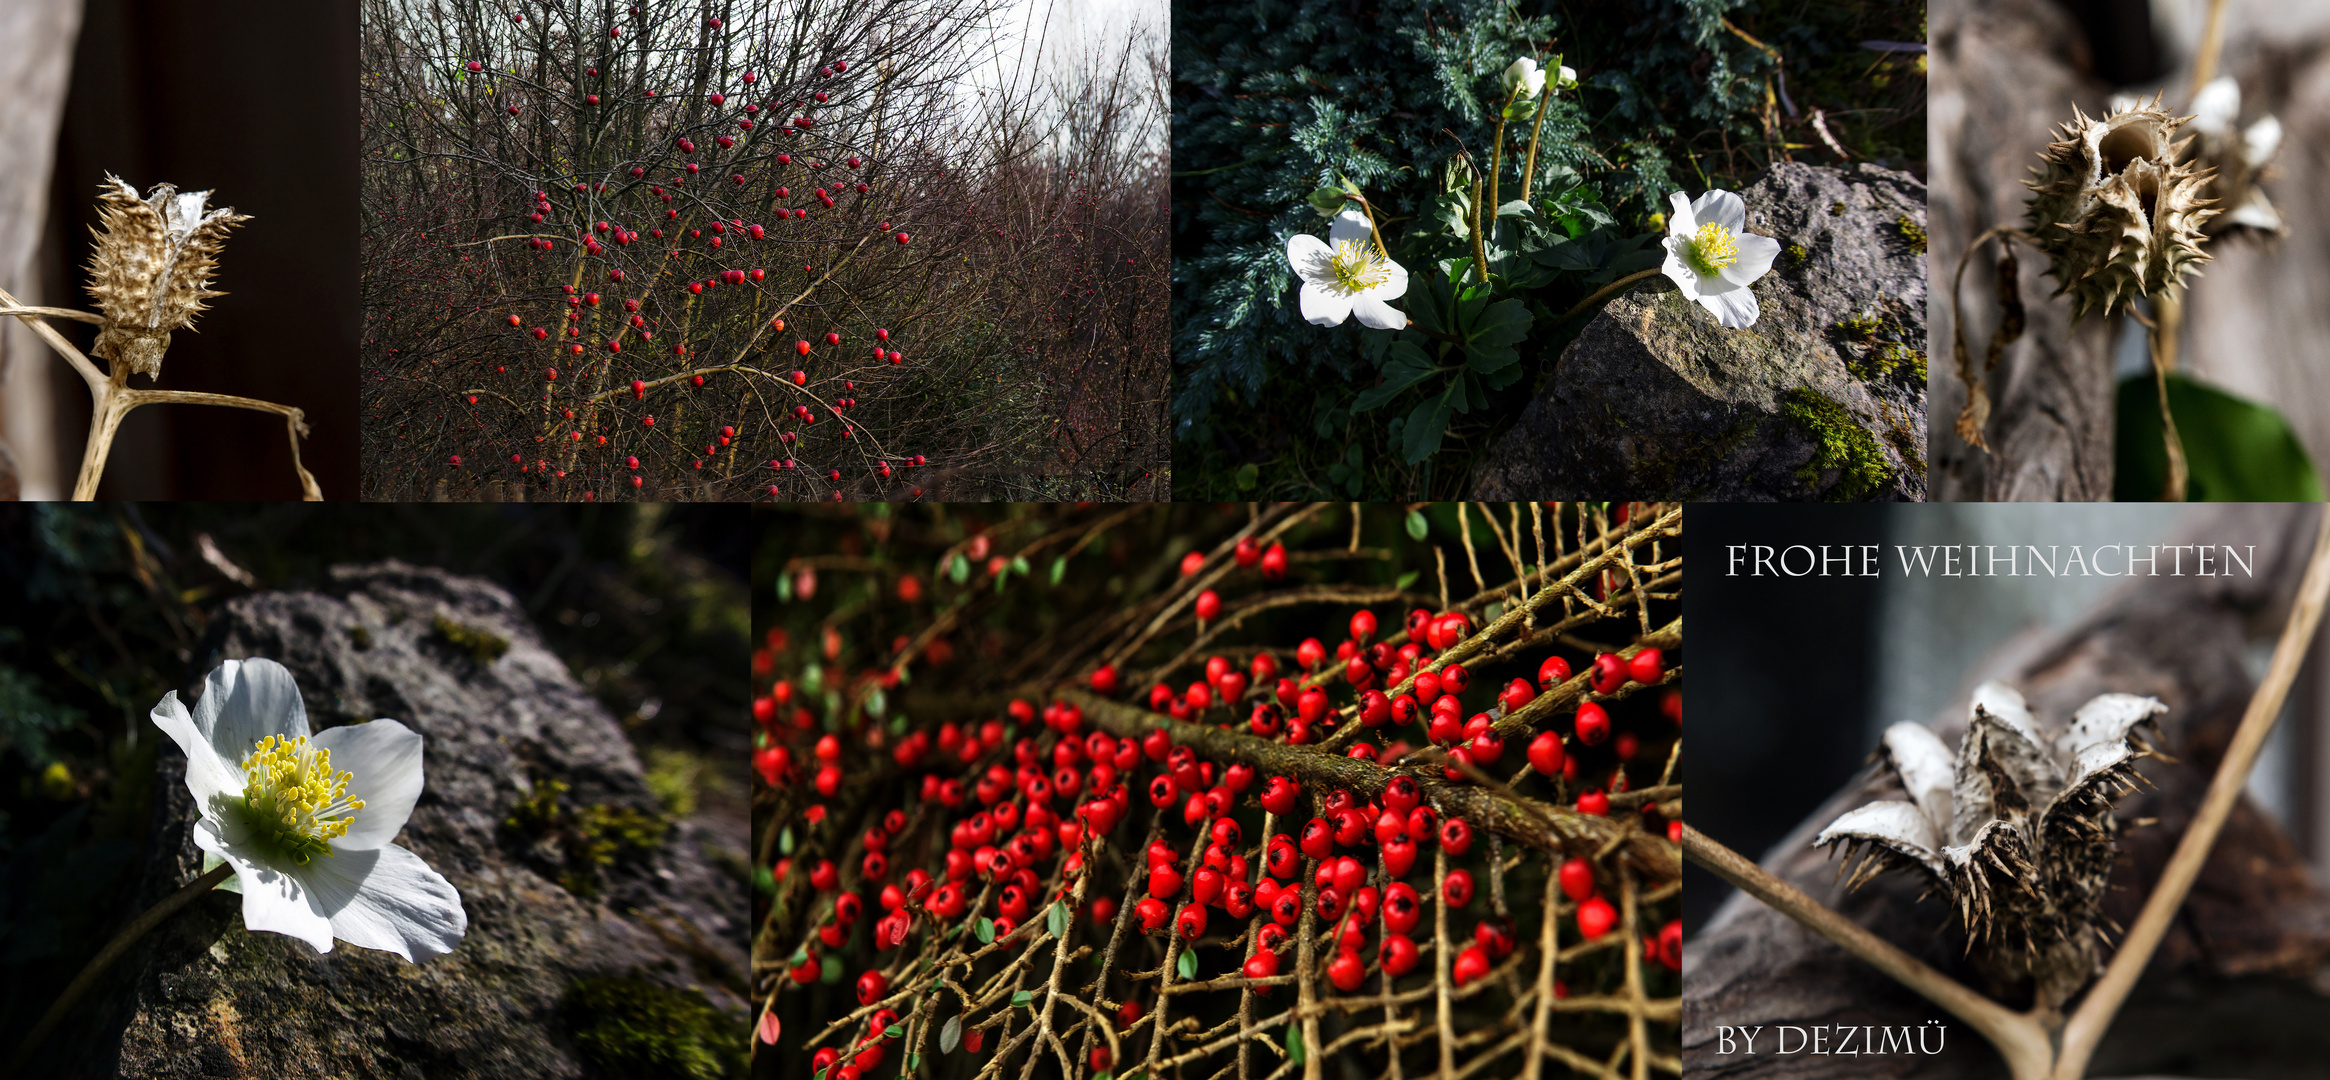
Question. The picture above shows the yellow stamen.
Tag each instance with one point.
(294, 798)
(1356, 267)
(1713, 247)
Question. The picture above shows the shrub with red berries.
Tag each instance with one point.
(1097, 745)
(789, 245)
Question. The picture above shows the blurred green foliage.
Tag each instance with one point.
(1277, 98)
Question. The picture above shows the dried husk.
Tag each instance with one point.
(151, 271)
(2118, 209)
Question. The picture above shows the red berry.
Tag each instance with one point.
(1577, 878)
(1455, 836)
(1156, 744)
(1162, 792)
(1454, 678)
(1646, 667)
(1363, 626)
(1262, 965)
(1375, 710)
(1471, 965)
(1346, 970)
(1401, 793)
(1595, 803)
(1593, 724)
(1399, 855)
(1164, 882)
(1318, 839)
(871, 987)
(1191, 921)
(1457, 889)
(1545, 753)
(1596, 917)
(1209, 606)
(1398, 955)
(1279, 796)
(1674, 831)
(1553, 672)
(1609, 673)
(1104, 680)
(823, 877)
(1274, 562)
(1151, 911)
(1517, 693)
(1401, 908)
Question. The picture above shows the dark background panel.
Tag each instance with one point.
(256, 101)
(1780, 683)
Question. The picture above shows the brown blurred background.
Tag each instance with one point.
(256, 101)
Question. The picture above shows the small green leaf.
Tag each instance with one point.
(784, 588)
(1019, 564)
(785, 841)
(894, 1031)
(913, 1061)
(877, 703)
(1248, 475)
(1495, 612)
(829, 970)
(986, 931)
(798, 956)
(813, 678)
(1418, 529)
(1327, 201)
(1294, 1044)
(959, 568)
(1351, 455)
(951, 1035)
(1056, 920)
(1059, 568)
(1406, 580)
(1103, 1074)
(1022, 999)
(764, 881)
(1187, 965)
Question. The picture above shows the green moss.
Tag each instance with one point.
(1841, 444)
(360, 637)
(1911, 231)
(589, 838)
(484, 645)
(1836, 209)
(673, 775)
(1861, 326)
(642, 1030)
(1797, 256)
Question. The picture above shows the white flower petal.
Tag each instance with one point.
(1349, 225)
(1325, 305)
(207, 774)
(1735, 309)
(1679, 271)
(273, 900)
(1720, 207)
(383, 760)
(2259, 141)
(1395, 282)
(1376, 313)
(1679, 219)
(1308, 255)
(1755, 259)
(388, 899)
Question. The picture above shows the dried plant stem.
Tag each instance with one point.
(1606, 290)
(2163, 335)
(2204, 63)
(2019, 1038)
(111, 399)
(112, 951)
(2087, 1025)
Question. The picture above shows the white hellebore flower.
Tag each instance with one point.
(307, 821)
(1346, 275)
(1524, 76)
(1712, 256)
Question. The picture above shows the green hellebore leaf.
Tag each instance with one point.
(1247, 476)
(2235, 450)
(1327, 201)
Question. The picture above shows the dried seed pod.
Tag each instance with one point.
(2239, 155)
(151, 271)
(2116, 210)
(2017, 831)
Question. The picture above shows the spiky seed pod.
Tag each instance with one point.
(2117, 211)
(2017, 831)
(151, 270)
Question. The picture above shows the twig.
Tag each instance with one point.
(1607, 290)
(2087, 1025)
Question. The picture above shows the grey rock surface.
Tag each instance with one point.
(203, 997)
(1823, 398)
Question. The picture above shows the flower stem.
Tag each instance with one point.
(112, 951)
(1480, 251)
(1529, 171)
(1606, 290)
(2163, 358)
(1497, 159)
